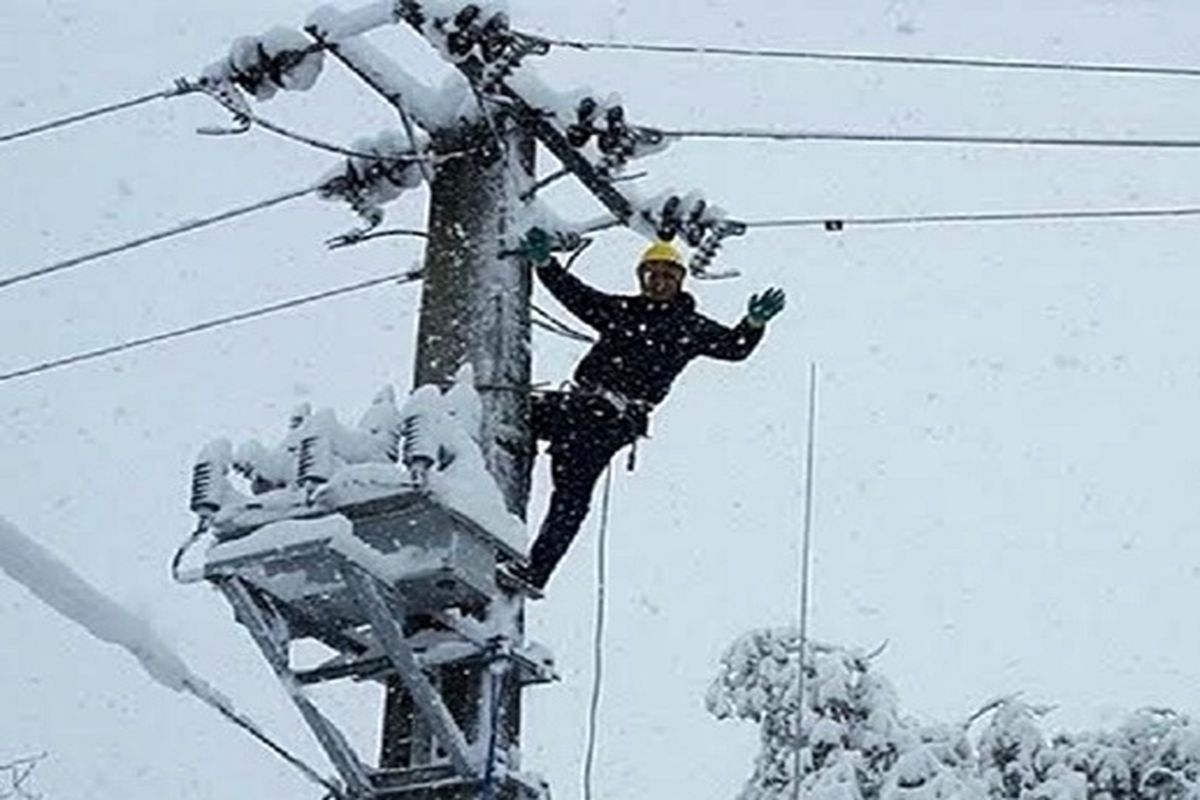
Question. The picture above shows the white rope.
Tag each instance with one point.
(598, 636)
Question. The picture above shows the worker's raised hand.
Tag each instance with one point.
(535, 247)
(762, 307)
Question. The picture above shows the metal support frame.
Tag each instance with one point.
(251, 614)
(366, 589)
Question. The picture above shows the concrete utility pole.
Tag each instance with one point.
(474, 310)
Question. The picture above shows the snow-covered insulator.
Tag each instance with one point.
(701, 262)
(421, 432)
(209, 478)
(519, 47)
(696, 224)
(615, 133)
(381, 424)
(263, 65)
(579, 133)
(315, 459)
(669, 219)
(495, 38)
(299, 416)
(463, 33)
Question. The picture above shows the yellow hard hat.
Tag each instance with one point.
(662, 251)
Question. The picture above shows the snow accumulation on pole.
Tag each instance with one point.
(60, 587)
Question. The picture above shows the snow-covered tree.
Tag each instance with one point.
(855, 744)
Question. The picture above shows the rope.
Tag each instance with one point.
(551, 323)
(923, 138)
(62, 122)
(598, 637)
(881, 58)
(250, 727)
(835, 224)
(203, 326)
(186, 227)
(805, 561)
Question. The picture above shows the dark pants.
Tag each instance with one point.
(584, 432)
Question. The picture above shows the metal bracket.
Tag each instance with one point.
(427, 699)
(251, 614)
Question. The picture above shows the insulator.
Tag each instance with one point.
(465, 32)
(609, 141)
(669, 220)
(393, 444)
(586, 110)
(315, 460)
(206, 492)
(495, 37)
(695, 227)
(616, 117)
(578, 135)
(466, 16)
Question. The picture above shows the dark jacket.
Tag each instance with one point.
(644, 344)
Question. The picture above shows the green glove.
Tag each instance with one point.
(535, 247)
(762, 307)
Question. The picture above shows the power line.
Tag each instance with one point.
(782, 135)
(400, 277)
(836, 224)
(882, 58)
(141, 241)
(246, 118)
(181, 88)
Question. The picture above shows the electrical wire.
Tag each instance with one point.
(782, 135)
(247, 117)
(883, 58)
(403, 277)
(176, 91)
(141, 241)
(836, 224)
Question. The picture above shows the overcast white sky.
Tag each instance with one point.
(1007, 463)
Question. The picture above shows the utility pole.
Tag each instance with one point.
(474, 310)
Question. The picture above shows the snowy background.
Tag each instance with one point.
(1007, 459)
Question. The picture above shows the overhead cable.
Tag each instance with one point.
(130, 344)
(783, 135)
(180, 88)
(246, 118)
(836, 224)
(883, 58)
(141, 241)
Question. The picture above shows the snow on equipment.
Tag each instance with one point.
(382, 542)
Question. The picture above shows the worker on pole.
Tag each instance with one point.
(645, 341)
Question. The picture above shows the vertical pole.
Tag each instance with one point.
(805, 561)
(475, 310)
